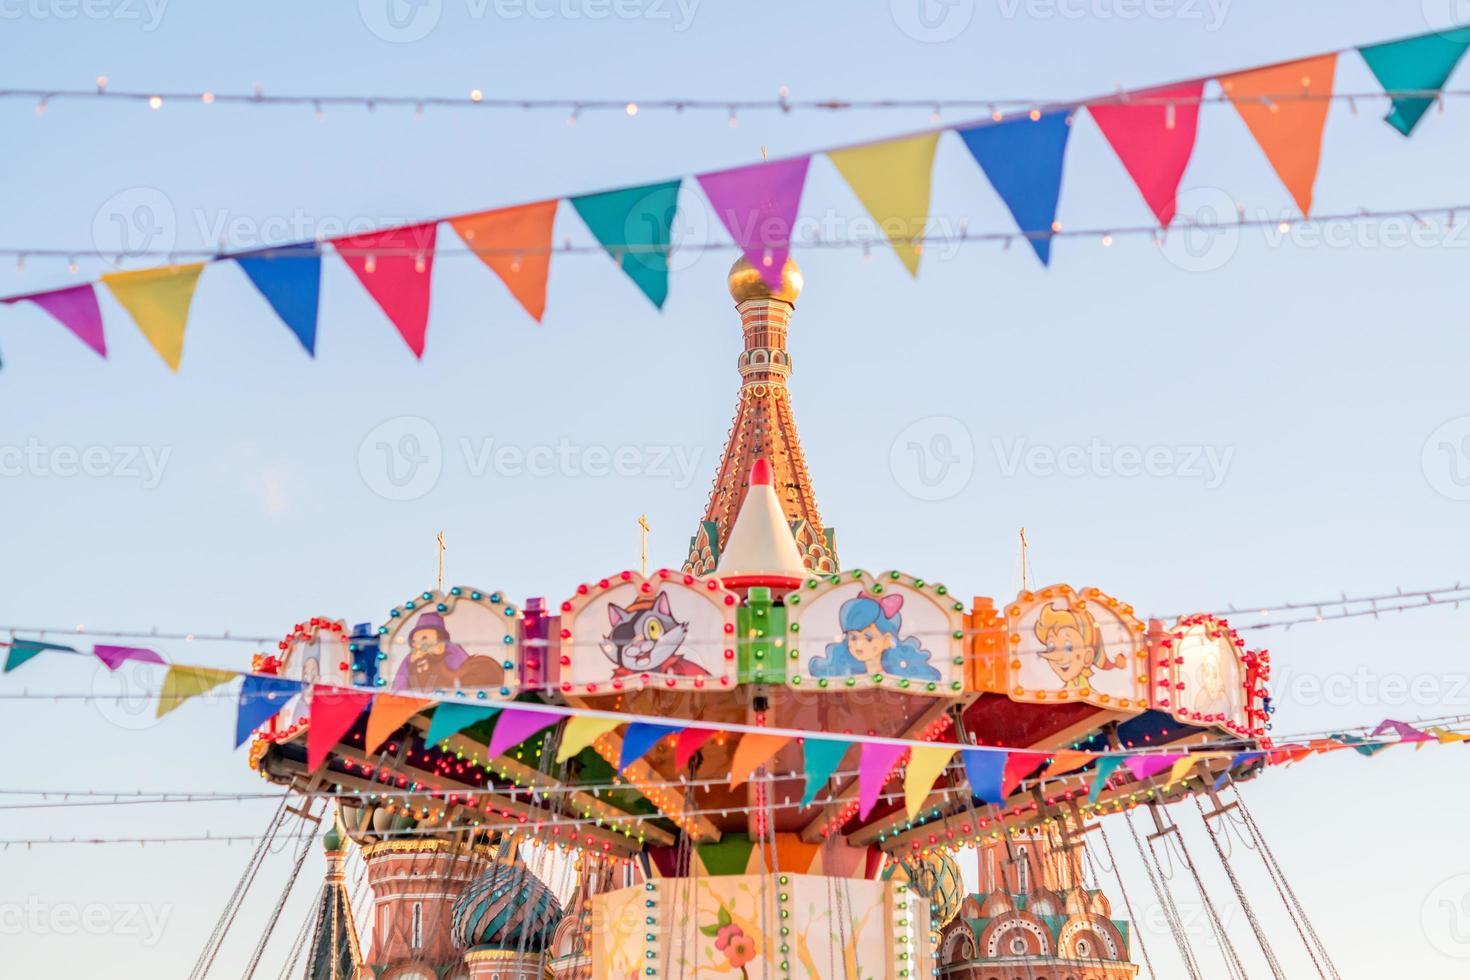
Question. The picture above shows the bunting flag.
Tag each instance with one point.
(1420, 64)
(1022, 159)
(1154, 139)
(514, 726)
(182, 683)
(926, 762)
(580, 732)
(893, 181)
(1144, 766)
(1105, 767)
(820, 759)
(1446, 737)
(635, 225)
(261, 699)
(1288, 131)
(1019, 765)
(23, 650)
(158, 301)
(516, 244)
(1405, 732)
(114, 657)
(1065, 761)
(986, 773)
(1182, 766)
(396, 267)
(639, 739)
(1287, 754)
(875, 763)
(753, 751)
(1236, 761)
(334, 710)
(290, 279)
(75, 308)
(689, 742)
(757, 205)
(390, 711)
(453, 717)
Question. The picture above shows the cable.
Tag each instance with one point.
(1250, 914)
(1127, 904)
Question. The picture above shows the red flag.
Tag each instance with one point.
(396, 266)
(689, 742)
(1019, 765)
(333, 712)
(1153, 134)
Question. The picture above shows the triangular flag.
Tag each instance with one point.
(1182, 766)
(114, 657)
(893, 179)
(729, 856)
(290, 279)
(639, 739)
(1287, 126)
(985, 769)
(75, 308)
(390, 711)
(396, 266)
(689, 742)
(453, 717)
(1018, 767)
(874, 765)
(182, 683)
(820, 759)
(753, 752)
(516, 244)
(23, 650)
(261, 699)
(580, 732)
(1153, 134)
(515, 726)
(757, 205)
(926, 762)
(1415, 64)
(1100, 774)
(635, 225)
(1066, 760)
(158, 301)
(334, 710)
(1405, 732)
(1144, 766)
(1445, 736)
(1022, 158)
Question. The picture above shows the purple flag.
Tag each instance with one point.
(1405, 732)
(1144, 766)
(75, 308)
(115, 657)
(758, 207)
(874, 765)
(513, 727)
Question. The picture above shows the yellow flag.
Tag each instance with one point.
(158, 300)
(182, 683)
(893, 179)
(1182, 767)
(925, 765)
(581, 732)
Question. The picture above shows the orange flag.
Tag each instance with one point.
(753, 752)
(1065, 761)
(389, 712)
(1287, 126)
(516, 244)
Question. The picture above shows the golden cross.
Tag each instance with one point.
(1023, 559)
(440, 538)
(643, 547)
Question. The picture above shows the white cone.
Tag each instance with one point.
(761, 542)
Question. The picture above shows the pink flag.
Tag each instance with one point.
(758, 207)
(1405, 732)
(334, 710)
(1144, 766)
(513, 727)
(1153, 136)
(75, 308)
(396, 266)
(115, 657)
(874, 765)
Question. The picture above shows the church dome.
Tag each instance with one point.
(507, 907)
(746, 282)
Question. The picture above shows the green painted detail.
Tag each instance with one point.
(761, 630)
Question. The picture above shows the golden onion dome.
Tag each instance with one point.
(747, 283)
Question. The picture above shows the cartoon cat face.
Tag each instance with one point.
(643, 639)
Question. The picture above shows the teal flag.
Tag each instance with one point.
(1100, 774)
(1419, 63)
(635, 225)
(23, 650)
(452, 717)
(822, 757)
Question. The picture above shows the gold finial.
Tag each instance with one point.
(643, 545)
(440, 539)
(746, 282)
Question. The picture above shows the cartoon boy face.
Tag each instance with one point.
(868, 645)
(1068, 653)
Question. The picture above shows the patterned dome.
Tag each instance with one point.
(507, 907)
(937, 878)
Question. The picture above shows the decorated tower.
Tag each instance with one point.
(335, 953)
(764, 428)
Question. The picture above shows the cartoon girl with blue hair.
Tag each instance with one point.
(871, 643)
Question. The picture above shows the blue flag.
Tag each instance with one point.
(640, 737)
(1023, 160)
(290, 278)
(986, 772)
(453, 717)
(261, 699)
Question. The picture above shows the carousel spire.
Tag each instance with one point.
(761, 544)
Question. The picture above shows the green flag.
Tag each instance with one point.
(635, 225)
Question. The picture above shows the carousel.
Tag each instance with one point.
(613, 784)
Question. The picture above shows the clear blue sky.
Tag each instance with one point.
(1320, 370)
